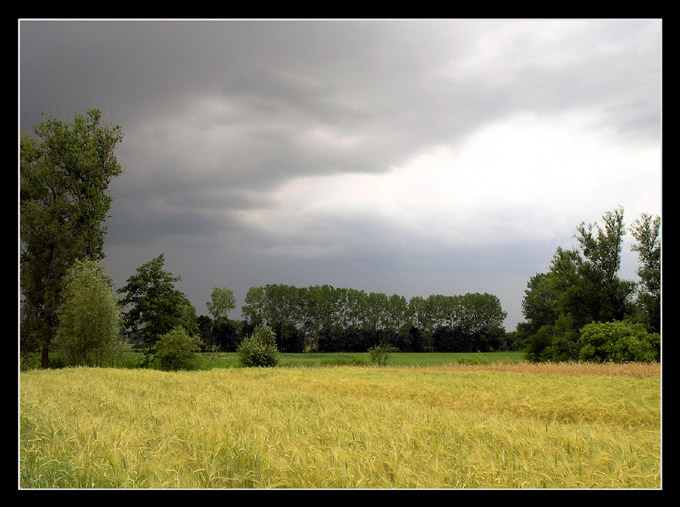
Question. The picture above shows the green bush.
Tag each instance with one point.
(259, 349)
(176, 350)
(618, 341)
(380, 354)
(343, 361)
(477, 359)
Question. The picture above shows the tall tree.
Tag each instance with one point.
(253, 309)
(604, 249)
(646, 232)
(603, 261)
(539, 303)
(65, 171)
(153, 305)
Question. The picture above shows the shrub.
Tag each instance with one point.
(473, 360)
(380, 354)
(176, 350)
(259, 349)
(618, 341)
(343, 361)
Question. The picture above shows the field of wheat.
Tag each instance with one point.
(512, 426)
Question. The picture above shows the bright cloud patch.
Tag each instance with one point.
(515, 179)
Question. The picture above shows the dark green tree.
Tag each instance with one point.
(65, 171)
(558, 303)
(153, 306)
(539, 303)
(618, 341)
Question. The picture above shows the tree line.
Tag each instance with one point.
(316, 318)
(330, 319)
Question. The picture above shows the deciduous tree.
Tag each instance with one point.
(89, 323)
(646, 231)
(153, 305)
(65, 171)
(221, 301)
(583, 286)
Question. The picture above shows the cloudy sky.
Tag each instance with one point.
(409, 157)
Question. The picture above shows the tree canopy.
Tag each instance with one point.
(221, 301)
(89, 322)
(646, 232)
(582, 286)
(326, 318)
(153, 306)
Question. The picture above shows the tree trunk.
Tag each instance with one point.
(45, 363)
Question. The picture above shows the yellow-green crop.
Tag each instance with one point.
(340, 427)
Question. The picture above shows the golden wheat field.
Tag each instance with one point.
(503, 426)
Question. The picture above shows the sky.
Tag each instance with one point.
(403, 156)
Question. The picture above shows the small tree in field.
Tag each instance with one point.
(380, 354)
(259, 349)
(176, 349)
(153, 306)
(89, 324)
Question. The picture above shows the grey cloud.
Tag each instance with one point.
(219, 114)
(639, 120)
(380, 80)
(143, 223)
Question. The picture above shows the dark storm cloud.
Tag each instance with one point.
(220, 117)
(395, 86)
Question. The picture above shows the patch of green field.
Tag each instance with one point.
(415, 359)
(126, 357)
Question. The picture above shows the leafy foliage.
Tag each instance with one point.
(582, 286)
(646, 232)
(380, 354)
(89, 323)
(175, 350)
(618, 341)
(221, 301)
(329, 319)
(154, 305)
(259, 349)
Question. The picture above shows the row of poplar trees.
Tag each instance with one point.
(331, 319)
